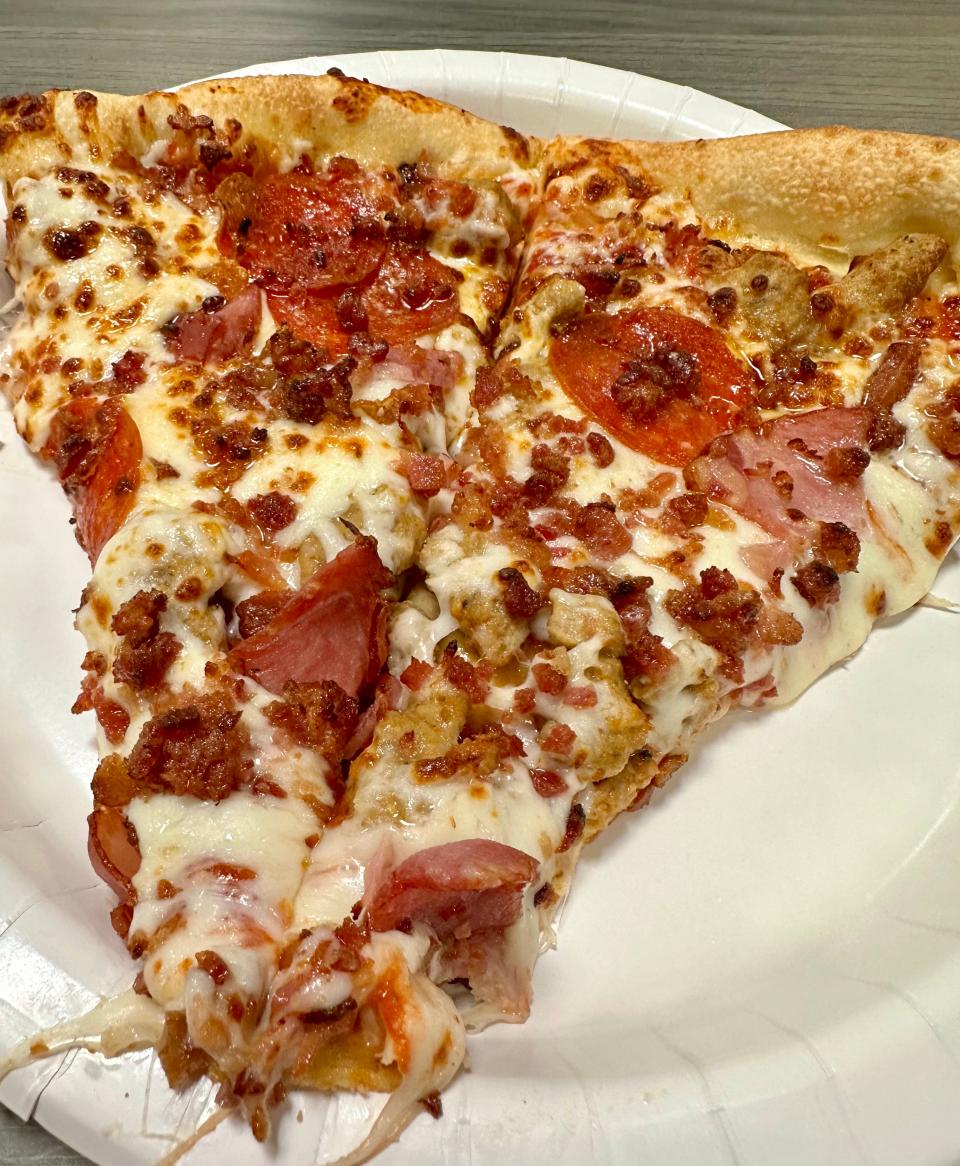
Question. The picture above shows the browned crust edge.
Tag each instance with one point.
(284, 116)
(824, 194)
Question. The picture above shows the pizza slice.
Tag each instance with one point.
(251, 311)
(718, 443)
(382, 630)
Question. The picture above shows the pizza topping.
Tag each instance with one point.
(745, 469)
(272, 512)
(114, 855)
(519, 598)
(218, 330)
(426, 473)
(894, 376)
(818, 583)
(718, 610)
(879, 284)
(319, 715)
(413, 295)
(845, 463)
(98, 452)
(664, 384)
(598, 527)
(333, 628)
(201, 750)
(255, 613)
(145, 652)
(645, 657)
(576, 821)
(689, 509)
(311, 231)
(324, 391)
(884, 432)
(479, 754)
(778, 627)
(547, 783)
(128, 371)
(943, 426)
(457, 889)
(838, 546)
(772, 297)
(182, 1062)
(471, 681)
(111, 783)
(114, 718)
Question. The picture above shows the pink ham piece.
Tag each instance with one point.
(334, 628)
(494, 977)
(458, 889)
(741, 470)
(389, 696)
(431, 365)
(427, 473)
(215, 336)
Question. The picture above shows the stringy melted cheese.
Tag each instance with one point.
(243, 920)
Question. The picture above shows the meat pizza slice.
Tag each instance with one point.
(251, 311)
(718, 443)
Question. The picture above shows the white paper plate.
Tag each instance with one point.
(761, 969)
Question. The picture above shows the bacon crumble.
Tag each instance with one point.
(145, 653)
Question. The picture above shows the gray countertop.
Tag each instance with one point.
(881, 63)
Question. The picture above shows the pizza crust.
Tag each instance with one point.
(282, 116)
(823, 194)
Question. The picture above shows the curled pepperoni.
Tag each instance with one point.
(311, 232)
(114, 855)
(311, 317)
(664, 384)
(98, 451)
(413, 295)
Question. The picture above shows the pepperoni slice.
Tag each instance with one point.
(458, 888)
(113, 855)
(311, 317)
(413, 295)
(634, 375)
(313, 231)
(98, 451)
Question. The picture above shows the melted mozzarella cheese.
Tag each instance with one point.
(242, 920)
(100, 305)
(347, 473)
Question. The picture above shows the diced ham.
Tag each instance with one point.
(775, 476)
(427, 473)
(434, 366)
(210, 336)
(458, 889)
(389, 695)
(334, 628)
